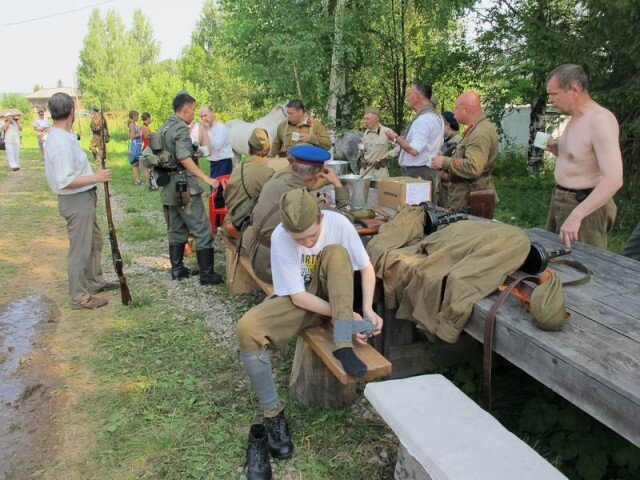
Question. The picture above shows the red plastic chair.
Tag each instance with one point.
(216, 215)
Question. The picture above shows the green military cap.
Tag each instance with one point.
(372, 110)
(259, 139)
(298, 210)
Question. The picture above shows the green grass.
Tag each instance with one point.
(172, 404)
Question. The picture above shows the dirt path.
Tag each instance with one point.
(40, 336)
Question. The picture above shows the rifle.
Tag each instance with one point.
(125, 294)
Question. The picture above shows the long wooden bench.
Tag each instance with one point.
(444, 435)
(317, 377)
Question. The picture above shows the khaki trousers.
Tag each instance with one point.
(85, 243)
(277, 320)
(632, 247)
(593, 229)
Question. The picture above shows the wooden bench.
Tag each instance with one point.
(445, 435)
(317, 377)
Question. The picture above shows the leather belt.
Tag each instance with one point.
(580, 194)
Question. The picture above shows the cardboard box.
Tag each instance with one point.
(396, 192)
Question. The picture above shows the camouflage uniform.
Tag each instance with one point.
(98, 125)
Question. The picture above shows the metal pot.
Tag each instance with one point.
(358, 189)
(338, 166)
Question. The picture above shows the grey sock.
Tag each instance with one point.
(366, 326)
(342, 331)
(258, 367)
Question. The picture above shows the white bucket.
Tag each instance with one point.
(358, 189)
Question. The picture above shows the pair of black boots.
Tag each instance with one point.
(205, 263)
(270, 436)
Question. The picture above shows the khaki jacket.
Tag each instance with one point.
(472, 163)
(283, 141)
(436, 282)
(244, 187)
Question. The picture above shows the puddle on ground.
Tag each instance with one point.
(18, 331)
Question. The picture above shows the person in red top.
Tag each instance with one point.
(145, 130)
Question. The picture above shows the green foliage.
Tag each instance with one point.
(114, 61)
(15, 100)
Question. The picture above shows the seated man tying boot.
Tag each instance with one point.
(307, 168)
(314, 255)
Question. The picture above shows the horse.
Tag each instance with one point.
(240, 131)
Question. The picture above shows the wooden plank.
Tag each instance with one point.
(320, 339)
(586, 364)
(242, 281)
(313, 384)
(267, 288)
(627, 303)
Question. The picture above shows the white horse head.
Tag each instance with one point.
(240, 131)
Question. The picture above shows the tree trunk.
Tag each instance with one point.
(537, 122)
(336, 78)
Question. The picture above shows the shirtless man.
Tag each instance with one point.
(588, 169)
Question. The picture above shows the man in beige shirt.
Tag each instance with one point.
(375, 146)
(589, 163)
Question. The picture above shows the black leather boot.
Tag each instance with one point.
(258, 465)
(205, 263)
(278, 436)
(176, 254)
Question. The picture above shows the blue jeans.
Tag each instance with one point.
(217, 169)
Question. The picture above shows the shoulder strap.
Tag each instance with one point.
(581, 267)
(244, 187)
(489, 327)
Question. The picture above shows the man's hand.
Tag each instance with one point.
(305, 137)
(103, 175)
(569, 230)
(437, 162)
(361, 338)
(213, 183)
(552, 146)
(391, 135)
(329, 174)
(205, 123)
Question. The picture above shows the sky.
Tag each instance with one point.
(47, 50)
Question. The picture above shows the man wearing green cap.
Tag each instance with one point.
(314, 255)
(298, 128)
(307, 167)
(247, 180)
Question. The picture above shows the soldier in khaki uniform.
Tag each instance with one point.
(375, 146)
(588, 168)
(247, 180)
(100, 131)
(182, 195)
(307, 167)
(470, 167)
(314, 256)
(298, 128)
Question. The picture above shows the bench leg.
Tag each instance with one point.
(242, 283)
(313, 384)
(408, 468)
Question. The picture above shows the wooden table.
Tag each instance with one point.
(594, 362)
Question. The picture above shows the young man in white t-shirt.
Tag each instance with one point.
(313, 255)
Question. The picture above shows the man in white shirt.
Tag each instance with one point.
(42, 126)
(424, 136)
(71, 178)
(313, 255)
(221, 153)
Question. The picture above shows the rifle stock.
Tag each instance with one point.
(125, 294)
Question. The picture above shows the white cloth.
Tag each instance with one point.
(426, 135)
(42, 124)
(11, 134)
(293, 265)
(219, 140)
(63, 161)
(13, 155)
